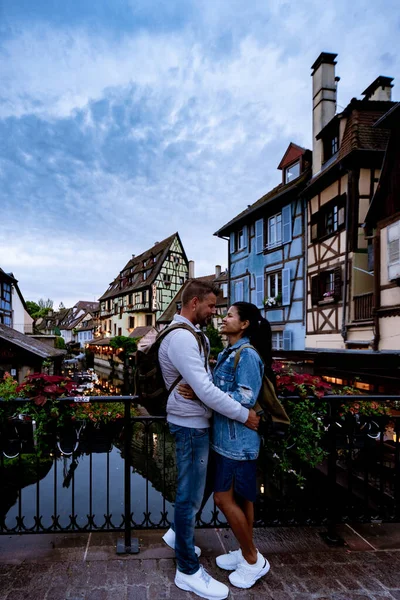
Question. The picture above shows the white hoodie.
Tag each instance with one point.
(179, 354)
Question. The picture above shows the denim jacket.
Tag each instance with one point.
(231, 438)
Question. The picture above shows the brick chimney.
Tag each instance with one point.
(324, 101)
(380, 89)
(191, 269)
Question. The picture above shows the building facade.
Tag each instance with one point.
(347, 159)
(143, 289)
(266, 252)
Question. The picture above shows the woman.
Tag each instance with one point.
(235, 446)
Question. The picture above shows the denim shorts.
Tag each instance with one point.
(241, 473)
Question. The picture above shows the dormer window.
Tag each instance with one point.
(331, 143)
(292, 172)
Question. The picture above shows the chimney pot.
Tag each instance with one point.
(324, 101)
(380, 89)
(217, 271)
(191, 269)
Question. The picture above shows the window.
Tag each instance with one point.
(274, 285)
(331, 143)
(149, 320)
(274, 234)
(131, 322)
(278, 288)
(115, 309)
(130, 299)
(119, 331)
(181, 280)
(277, 340)
(238, 291)
(329, 220)
(326, 286)
(121, 311)
(238, 240)
(144, 296)
(115, 329)
(292, 172)
(393, 241)
(145, 274)
(167, 279)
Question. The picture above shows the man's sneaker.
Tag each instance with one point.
(169, 539)
(229, 561)
(202, 584)
(246, 575)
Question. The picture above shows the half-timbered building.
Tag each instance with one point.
(266, 252)
(383, 236)
(348, 152)
(143, 289)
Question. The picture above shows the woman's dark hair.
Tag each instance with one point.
(259, 330)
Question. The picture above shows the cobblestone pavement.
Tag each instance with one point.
(70, 568)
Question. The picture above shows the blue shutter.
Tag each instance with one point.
(259, 291)
(286, 224)
(232, 243)
(245, 236)
(259, 235)
(239, 291)
(287, 340)
(286, 286)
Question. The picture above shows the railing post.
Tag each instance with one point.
(331, 536)
(127, 545)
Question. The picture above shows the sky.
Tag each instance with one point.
(123, 122)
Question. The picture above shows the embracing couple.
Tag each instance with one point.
(228, 395)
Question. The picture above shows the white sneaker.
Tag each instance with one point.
(229, 561)
(246, 574)
(202, 584)
(169, 539)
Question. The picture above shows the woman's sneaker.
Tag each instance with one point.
(202, 584)
(229, 561)
(169, 539)
(246, 574)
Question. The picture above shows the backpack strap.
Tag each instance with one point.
(238, 351)
(200, 340)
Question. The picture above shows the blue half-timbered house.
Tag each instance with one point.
(267, 250)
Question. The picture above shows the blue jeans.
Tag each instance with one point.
(191, 460)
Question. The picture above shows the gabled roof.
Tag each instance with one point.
(277, 193)
(140, 332)
(130, 279)
(170, 311)
(28, 343)
(292, 153)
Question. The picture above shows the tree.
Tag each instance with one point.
(40, 308)
(216, 345)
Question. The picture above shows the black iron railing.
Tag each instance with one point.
(358, 480)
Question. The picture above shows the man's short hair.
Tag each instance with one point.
(198, 289)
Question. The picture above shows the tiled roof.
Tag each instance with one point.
(170, 311)
(131, 279)
(140, 332)
(28, 343)
(277, 192)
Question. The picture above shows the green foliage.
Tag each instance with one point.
(8, 387)
(127, 345)
(39, 309)
(59, 343)
(216, 345)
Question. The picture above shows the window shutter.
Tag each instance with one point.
(259, 291)
(315, 295)
(287, 340)
(259, 236)
(287, 224)
(232, 243)
(245, 236)
(286, 286)
(314, 227)
(239, 291)
(370, 255)
(337, 282)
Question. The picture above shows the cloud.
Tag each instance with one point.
(111, 142)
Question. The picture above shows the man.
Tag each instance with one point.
(189, 424)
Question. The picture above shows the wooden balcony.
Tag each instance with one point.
(363, 307)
